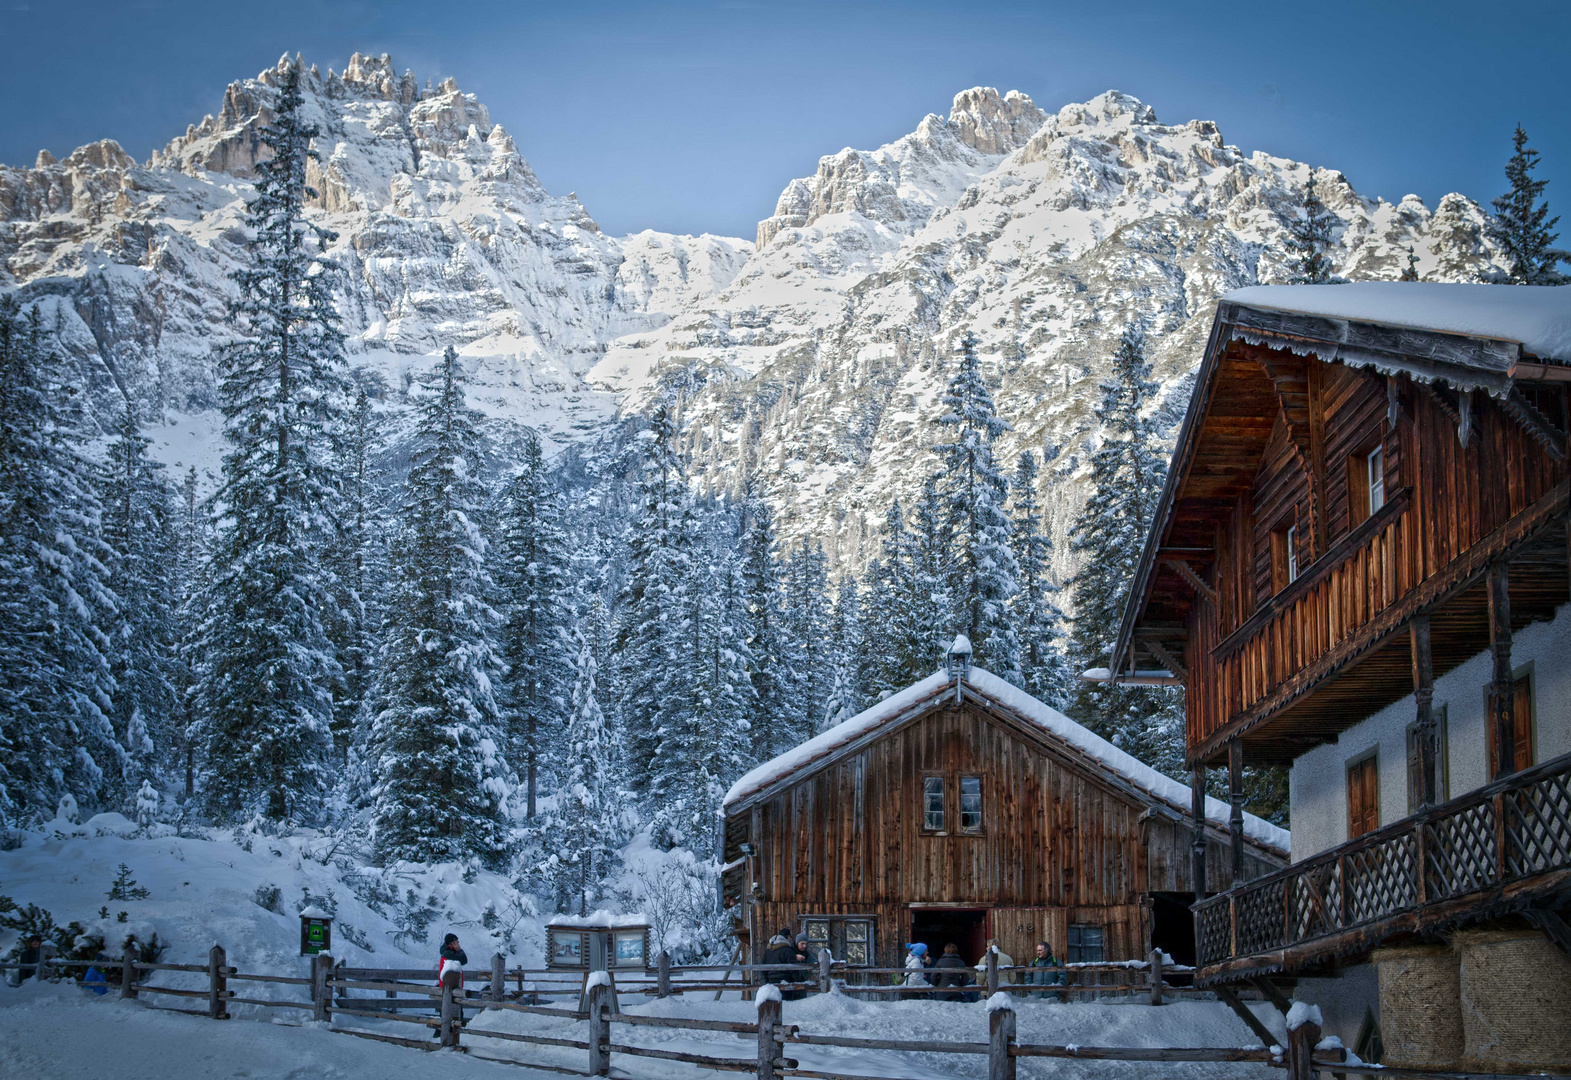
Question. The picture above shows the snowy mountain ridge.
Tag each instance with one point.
(807, 364)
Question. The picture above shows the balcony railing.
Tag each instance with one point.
(1493, 849)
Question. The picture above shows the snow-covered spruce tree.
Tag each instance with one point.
(141, 531)
(441, 783)
(1522, 225)
(934, 614)
(354, 618)
(192, 565)
(984, 576)
(1043, 671)
(580, 836)
(650, 638)
(704, 736)
(1128, 472)
(761, 579)
(805, 677)
(1410, 271)
(267, 668)
(845, 649)
(888, 592)
(533, 580)
(56, 738)
(1309, 241)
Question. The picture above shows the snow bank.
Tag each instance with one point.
(1537, 317)
(1044, 716)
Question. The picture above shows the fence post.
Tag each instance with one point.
(599, 1027)
(1000, 1040)
(498, 976)
(824, 960)
(449, 1008)
(663, 977)
(128, 972)
(992, 971)
(1156, 976)
(1301, 1042)
(768, 1046)
(217, 992)
(321, 987)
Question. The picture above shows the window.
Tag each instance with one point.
(1376, 475)
(1521, 750)
(1292, 554)
(933, 804)
(1414, 780)
(1085, 945)
(1284, 556)
(1363, 796)
(970, 804)
(848, 939)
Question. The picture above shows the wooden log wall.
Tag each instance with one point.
(1442, 500)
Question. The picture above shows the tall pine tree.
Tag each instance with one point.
(268, 668)
(442, 785)
(1128, 472)
(984, 575)
(1044, 675)
(534, 586)
(56, 737)
(769, 732)
(1309, 241)
(1522, 225)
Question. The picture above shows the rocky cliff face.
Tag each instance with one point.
(808, 364)
(818, 368)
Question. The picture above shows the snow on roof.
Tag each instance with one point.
(962, 644)
(1044, 716)
(600, 918)
(1537, 317)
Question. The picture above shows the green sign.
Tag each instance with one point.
(316, 935)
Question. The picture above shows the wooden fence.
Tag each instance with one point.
(329, 990)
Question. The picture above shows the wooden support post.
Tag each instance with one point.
(824, 960)
(1300, 1050)
(768, 1045)
(1000, 1040)
(1424, 703)
(663, 976)
(992, 971)
(599, 1028)
(1156, 976)
(498, 976)
(1226, 996)
(450, 1008)
(1235, 798)
(128, 972)
(1197, 829)
(1501, 706)
(217, 991)
(321, 987)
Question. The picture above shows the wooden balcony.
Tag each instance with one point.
(1495, 850)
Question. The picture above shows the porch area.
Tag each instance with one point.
(1501, 849)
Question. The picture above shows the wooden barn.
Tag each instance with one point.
(1359, 569)
(960, 809)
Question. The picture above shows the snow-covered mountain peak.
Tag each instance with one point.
(994, 123)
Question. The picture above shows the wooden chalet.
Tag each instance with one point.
(1359, 569)
(960, 809)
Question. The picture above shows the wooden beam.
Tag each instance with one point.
(1554, 927)
(1165, 657)
(1183, 570)
(1230, 999)
(1317, 453)
(1235, 797)
(1533, 422)
(1272, 993)
(1197, 833)
(1501, 699)
(1423, 697)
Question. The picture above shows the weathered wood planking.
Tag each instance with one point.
(1059, 844)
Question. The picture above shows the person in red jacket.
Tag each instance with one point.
(452, 958)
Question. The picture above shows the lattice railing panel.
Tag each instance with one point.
(1538, 826)
(1317, 901)
(1213, 933)
(1261, 919)
(1462, 852)
(1382, 879)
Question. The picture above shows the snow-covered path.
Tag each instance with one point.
(56, 1032)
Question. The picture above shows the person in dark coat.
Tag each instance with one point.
(452, 957)
(1045, 970)
(782, 951)
(29, 957)
(950, 970)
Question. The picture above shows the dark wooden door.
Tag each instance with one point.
(1363, 797)
(1521, 749)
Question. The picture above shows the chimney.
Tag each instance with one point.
(959, 662)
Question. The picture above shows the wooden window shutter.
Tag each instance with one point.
(1363, 797)
(1522, 723)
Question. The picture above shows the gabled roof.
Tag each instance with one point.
(988, 689)
(1471, 337)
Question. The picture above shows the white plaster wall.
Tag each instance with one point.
(1317, 784)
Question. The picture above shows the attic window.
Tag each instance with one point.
(1284, 556)
(932, 804)
(1376, 462)
(971, 804)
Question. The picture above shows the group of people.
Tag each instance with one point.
(949, 971)
(784, 951)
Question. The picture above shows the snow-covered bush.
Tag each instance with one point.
(675, 891)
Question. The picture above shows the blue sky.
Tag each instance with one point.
(691, 117)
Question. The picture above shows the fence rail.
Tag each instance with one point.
(1492, 848)
(599, 1013)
